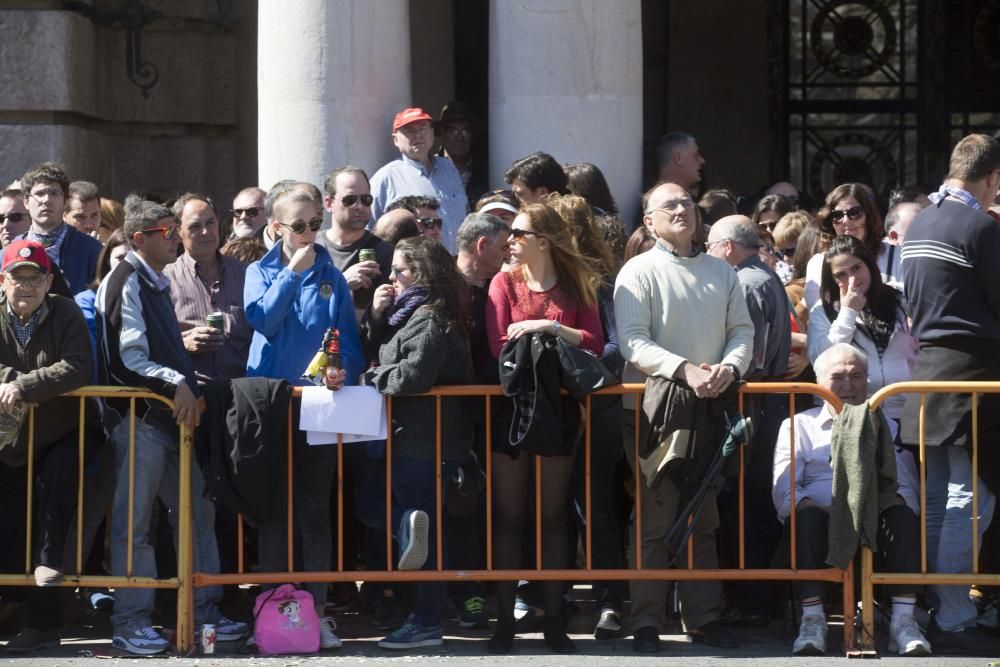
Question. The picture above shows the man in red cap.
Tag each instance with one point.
(44, 352)
(417, 172)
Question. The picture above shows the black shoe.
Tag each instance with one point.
(646, 640)
(970, 641)
(503, 638)
(556, 637)
(713, 634)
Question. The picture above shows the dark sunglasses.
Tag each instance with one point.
(852, 213)
(786, 253)
(351, 200)
(518, 234)
(251, 211)
(168, 232)
(430, 223)
(13, 217)
(299, 227)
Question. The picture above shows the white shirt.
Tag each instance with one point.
(813, 474)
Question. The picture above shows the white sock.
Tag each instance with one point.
(814, 609)
(902, 607)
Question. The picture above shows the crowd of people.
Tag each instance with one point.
(431, 279)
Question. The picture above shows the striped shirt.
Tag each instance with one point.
(194, 298)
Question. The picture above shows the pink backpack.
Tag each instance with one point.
(285, 621)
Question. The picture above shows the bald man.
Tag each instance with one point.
(396, 225)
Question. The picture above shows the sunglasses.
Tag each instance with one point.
(169, 233)
(786, 253)
(430, 223)
(299, 227)
(852, 213)
(251, 211)
(12, 217)
(351, 200)
(518, 234)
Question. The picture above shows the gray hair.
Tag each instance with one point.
(477, 225)
(669, 143)
(141, 214)
(834, 353)
(739, 230)
(182, 201)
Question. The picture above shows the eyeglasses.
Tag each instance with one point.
(46, 194)
(852, 213)
(251, 211)
(709, 244)
(518, 234)
(11, 217)
(169, 233)
(786, 253)
(673, 205)
(430, 223)
(351, 200)
(25, 280)
(299, 227)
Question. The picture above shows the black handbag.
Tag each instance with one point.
(582, 372)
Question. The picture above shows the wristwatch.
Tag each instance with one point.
(556, 326)
(736, 372)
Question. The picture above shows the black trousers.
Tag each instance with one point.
(898, 546)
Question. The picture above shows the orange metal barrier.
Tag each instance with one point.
(183, 581)
(488, 393)
(869, 577)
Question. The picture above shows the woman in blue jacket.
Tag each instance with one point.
(292, 296)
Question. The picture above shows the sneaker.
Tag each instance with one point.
(228, 630)
(387, 613)
(101, 600)
(905, 638)
(33, 640)
(609, 625)
(413, 635)
(473, 613)
(527, 618)
(326, 637)
(413, 535)
(47, 576)
(141, 641)
(812, 636)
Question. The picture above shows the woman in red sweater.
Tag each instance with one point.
(550, 288)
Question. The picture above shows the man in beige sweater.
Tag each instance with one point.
(681, 315)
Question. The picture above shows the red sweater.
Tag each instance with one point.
(510, 301)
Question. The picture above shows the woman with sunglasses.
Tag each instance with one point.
(769, 210)
(551, 288)
(292, 296)
(850, 210)
(857, 308)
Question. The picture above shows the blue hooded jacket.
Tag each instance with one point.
(290, 312)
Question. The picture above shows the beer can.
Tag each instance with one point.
(216, 320)
(367, 255)
(208, 639)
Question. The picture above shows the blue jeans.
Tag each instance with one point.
(949, 531)
(157, 467)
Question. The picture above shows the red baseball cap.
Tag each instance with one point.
(26, 253)
(408, 116)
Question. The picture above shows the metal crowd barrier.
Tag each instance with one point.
(842, 577)
(869, 577)
(183, 582)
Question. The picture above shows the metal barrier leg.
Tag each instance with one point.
(185, 590)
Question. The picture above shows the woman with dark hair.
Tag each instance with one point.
(856, 307)
(551, 288)
(850, 210)
(422, 321)
(769, 210)
(586, 180)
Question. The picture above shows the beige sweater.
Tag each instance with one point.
(670, 309)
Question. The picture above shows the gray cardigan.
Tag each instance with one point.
(419, 356)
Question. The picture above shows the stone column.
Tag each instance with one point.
(331, 76)
(566, 78)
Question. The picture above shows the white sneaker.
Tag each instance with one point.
(812, 636)
(905, 638)
(326, 637)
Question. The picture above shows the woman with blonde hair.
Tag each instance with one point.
(112, 218)
(551, 288)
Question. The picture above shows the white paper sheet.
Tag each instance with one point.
(356, 412)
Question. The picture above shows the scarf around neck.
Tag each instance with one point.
(406, 303)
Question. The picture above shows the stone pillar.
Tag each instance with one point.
(566, 78)
(331, 76)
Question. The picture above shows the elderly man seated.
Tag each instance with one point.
(843, 369)
(44, 352)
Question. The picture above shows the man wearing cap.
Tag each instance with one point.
(417, 172)
(45, 189)
(500, 203)
(44, 352)
(456, 128)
